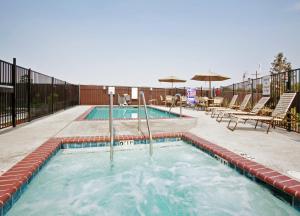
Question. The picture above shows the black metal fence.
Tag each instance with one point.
(279, 84)
(26, 94)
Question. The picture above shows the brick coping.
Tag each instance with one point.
(83, 116)
(13, 180)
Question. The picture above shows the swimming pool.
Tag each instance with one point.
(178, 180)
(128, 112)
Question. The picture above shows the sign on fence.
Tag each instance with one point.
(266, 83)
(111, 90)
(134, 93)
(191, 93)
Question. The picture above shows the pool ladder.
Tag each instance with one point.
(111, 127)
(173, 104)
(142, 95)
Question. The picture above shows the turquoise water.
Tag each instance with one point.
(179, 180)
(127, 112)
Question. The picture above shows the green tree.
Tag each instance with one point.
(280, 64)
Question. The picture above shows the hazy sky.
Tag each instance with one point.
(136, 42)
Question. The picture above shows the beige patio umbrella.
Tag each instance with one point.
(171, 79)
(210, 76)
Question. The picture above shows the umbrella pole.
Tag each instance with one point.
(210, 89)
(165, 96)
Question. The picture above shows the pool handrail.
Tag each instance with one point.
(173, 104)
(142, 95)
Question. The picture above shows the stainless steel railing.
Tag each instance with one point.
(141, 95)
(173, 104)
(111, 128)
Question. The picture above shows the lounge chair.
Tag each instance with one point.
(242, 107)
(278, 114)
(230, 106)
(255, 110)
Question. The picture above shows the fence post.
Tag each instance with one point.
(52, 95)
(13, 95)
(289, 89)
(252, 99)
(29, 95)
(78, 95)
(65, 95)
(233, 89)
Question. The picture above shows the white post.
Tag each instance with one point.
(111, 126)
(139, 112)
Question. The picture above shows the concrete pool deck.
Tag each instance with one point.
(278, 150)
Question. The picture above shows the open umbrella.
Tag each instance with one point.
(209, 76)
(171, 79)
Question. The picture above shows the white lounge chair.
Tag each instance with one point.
(279, 113)
(255, 110)
(242, 107)
(230, 106)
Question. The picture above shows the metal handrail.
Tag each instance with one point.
(111, 128)
(173, 104)
(147, 120)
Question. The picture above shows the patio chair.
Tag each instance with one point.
(255, 110)
(152, 101)
(201, 102)
(230, 106)
(183, 101)
(162, 99)
(122, 101)
(127, 99)
(169, 100)
(242, 107)
(279, 113)
(217, 102)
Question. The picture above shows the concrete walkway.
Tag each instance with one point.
(279, 149)
(15, 144)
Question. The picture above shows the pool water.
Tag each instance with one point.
(179, 180)
(128, 113)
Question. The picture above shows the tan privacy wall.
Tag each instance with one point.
(98, 95)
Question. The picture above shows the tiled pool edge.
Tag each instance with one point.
(14, 181)
(83, 116)
(276, 181)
